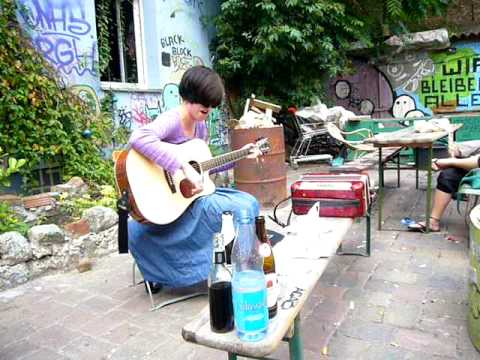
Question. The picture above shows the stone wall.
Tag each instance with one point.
(52, 247)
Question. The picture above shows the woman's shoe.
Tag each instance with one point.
(422, 227)
(154, 287)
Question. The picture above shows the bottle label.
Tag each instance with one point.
(273, 290)
(265, 250)
(249, 301)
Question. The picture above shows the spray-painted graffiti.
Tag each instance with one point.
(59, 30)
(176, 52)
(88, 95)
(345, 91)
(217, 126)
(170, 97)
(455, 83)
(405, 106)
(145, 107)
(407, 72)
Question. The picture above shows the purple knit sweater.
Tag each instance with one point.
(155, 139)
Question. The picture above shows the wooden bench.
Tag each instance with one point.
(297, 278)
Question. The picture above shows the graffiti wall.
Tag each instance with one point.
(64, 32)
(415, 84)
(175, 38)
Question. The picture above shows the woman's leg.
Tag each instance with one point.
(440, 202)
(447, 184)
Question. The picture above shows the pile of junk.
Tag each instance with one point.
(305, 130)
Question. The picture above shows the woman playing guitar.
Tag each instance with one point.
(179, 253)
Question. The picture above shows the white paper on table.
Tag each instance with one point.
(304, 238)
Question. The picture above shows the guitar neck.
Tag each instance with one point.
(224, 159)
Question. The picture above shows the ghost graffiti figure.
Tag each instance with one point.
(402, 105)
(342, 89)
(170, 97)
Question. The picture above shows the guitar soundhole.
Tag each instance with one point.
(196, 166)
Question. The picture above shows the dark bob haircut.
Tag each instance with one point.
(201, 85)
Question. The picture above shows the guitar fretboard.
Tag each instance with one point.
(224, 159)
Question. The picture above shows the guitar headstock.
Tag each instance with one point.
(263, 145)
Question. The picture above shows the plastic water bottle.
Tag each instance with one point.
(248, 284)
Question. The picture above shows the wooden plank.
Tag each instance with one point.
(297, 278)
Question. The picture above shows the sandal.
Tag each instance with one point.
(422, 227)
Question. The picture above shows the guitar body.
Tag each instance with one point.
(159, 197)
(155, 195)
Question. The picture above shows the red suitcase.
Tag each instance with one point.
(340, 195)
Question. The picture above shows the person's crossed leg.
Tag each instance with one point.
(452, 172)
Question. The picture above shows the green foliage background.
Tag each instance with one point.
(284, 50)
(39, 119)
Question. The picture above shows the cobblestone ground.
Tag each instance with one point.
(406, 301)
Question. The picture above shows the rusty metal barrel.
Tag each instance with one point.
(266, 179)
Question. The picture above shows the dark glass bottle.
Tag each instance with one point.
(268, 266)
(220, 290)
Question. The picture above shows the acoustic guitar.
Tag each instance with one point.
(159, 197)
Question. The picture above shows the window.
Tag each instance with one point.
(119, 41)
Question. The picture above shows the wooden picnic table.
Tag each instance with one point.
(298, 274)
(408, 137)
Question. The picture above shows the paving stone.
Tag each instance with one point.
(350, 279)
(44, 354)
(437, 309)
(409, 294)
(367, 312)
(447, 296)
(77, 319)
(328, 310)
(380, 285)
(367, 265)
(441, 327)
(49, 312)
(14, 331)
(121, 333)
(86, 347)
(401, 314)
(53, 337)
(348, 348)
(18, 349)
(367, 331)
(395, 276)
(98, 304)
(424, 342)
(100, 325)
(317, 334)
(72, 297)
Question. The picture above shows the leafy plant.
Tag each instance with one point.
(9, 220)
(40, 120)
(104, 195)
(12, 166)
(284, 50)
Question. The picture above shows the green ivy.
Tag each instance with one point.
(9, 221)
(103, 18)
(40, 120)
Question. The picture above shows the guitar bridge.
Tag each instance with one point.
(170, 182)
